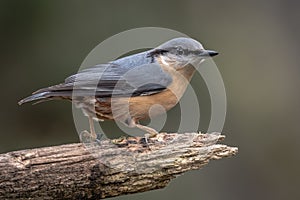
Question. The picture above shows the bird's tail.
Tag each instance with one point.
(46, 94)
(36, 97)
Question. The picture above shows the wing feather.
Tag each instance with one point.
(130, 76)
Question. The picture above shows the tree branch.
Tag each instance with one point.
(107, 168)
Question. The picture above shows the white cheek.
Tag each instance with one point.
(164, 61)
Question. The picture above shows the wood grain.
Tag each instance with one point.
(107, 168)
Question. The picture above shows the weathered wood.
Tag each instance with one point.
(105, 169)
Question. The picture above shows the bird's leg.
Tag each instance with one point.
(134, 123)
(92, 128)
(151, 132)
(91, 136)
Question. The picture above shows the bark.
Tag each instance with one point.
(107, 168)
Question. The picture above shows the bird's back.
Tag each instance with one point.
(132, 75)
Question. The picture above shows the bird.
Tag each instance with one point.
(126, 89)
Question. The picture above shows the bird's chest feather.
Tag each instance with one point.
(167, 99)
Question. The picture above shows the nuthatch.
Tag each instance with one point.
(125, 89)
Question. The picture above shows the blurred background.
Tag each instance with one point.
(42, 42)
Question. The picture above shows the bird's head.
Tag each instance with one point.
(179, 52)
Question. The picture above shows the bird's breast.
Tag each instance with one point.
(166, 99)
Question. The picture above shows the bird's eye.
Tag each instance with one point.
(180, 51)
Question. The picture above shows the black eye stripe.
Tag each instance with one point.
(173, 50)
(156, 52)
(184, 51)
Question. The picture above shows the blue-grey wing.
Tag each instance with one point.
(124, 77)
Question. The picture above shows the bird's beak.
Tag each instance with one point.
(208, 53)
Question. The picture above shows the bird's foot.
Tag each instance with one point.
(87, 137)
(149, 135)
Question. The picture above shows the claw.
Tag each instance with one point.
(87, 137)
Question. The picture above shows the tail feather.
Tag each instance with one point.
(36, 97)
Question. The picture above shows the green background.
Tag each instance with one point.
(42, 42)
